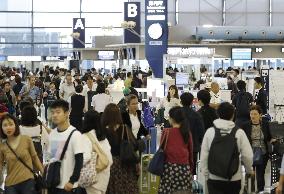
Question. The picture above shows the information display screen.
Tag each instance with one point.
(241, 54)
(106, 55)
(182, 79)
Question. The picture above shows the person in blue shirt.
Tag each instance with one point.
(30, 89)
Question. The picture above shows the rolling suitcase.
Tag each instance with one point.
(151, 145)
(197, 188)
(250, 185)
(149, 183)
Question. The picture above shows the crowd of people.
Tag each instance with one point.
(80, 119)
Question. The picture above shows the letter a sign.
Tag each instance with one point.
(79, 28)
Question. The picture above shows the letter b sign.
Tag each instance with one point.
(132, 10)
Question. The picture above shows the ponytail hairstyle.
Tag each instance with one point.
(178, 116)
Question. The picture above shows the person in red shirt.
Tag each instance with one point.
(178, 148)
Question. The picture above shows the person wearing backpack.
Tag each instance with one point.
(221, 149)
(242, 101)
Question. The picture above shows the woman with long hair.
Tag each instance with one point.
(92, 126)
(123, 176)
(178, 148)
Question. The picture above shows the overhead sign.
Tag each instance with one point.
(156, 34)
(24, 58)
(55, 58)
(191, 52)
(132, 14)
(265, 78)
(79, 29)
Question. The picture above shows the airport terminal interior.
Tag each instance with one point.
(141, 96)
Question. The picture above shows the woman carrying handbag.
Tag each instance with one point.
(178, 149)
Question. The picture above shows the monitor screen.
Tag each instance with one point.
(106, 55)
(182, 79)
(241, 53)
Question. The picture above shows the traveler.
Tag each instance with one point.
(72, 162)
(215, 95)
(169, 102)
(77, 81)
(279, 189)
(225, 126)
(11, 98)
(67, 88)
(137, 81)
(235, 75)
(232, 86)
(92, 125)
(122, 104)
(123, 177)
(127, 82)
(257, 130)
(89, 90)
(18, 87)
(101, 99)
(178, 147)
(30, 89)
(77, 108)
(49, 96)
(242, 101)
(260, 96)
(132, 118)
(207, 113)
(19, 178)
(196, 125)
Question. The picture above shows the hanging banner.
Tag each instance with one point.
(156, 34)
(132, 22)
(78, 33)
(265, 78)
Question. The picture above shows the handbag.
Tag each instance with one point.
(102, 159)
(156, 165)
(88, 172)
(127, 152)
(39, 184)
(51, 175)
(257, 156)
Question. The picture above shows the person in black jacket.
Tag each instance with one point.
(208, 113)
(242, 101)
(195, 123)
(132, 118)
(257, 131)
(260, 97)
(77, 105)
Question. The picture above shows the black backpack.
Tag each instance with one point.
(223, 159)
(242, 106)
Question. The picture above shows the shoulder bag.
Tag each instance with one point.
(39, 183)
(156, 165)
(127, 151)
(51, 175)
(88, 172)
(102, 160)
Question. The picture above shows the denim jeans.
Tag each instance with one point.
(25, 187)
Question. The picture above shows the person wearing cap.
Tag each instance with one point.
(122, 104)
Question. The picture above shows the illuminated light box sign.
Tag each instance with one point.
(3, 58)
(55, 58)
(191, 52)
(24, 58)
(156, 34)
(241, 53)
(106, 55)
(182, 79)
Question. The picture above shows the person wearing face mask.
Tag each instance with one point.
(257, 131)
(67, 88)
(19, 178)
(167, 103)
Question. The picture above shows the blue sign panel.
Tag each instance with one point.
(78, 32)
(132, 21)
(156, 34)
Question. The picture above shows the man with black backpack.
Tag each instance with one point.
(221, 149)
(242, 101)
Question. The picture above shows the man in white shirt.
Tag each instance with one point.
(67, 88)
(73, 159)
(215, 95)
